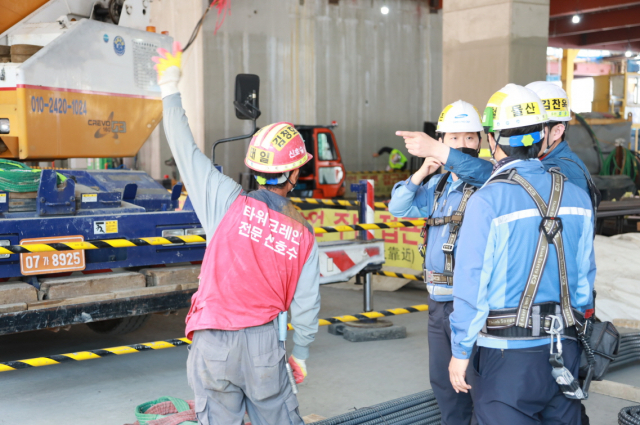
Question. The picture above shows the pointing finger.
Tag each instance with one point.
(407, 133)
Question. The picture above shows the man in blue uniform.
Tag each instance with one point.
(554, 152)
(527, 276)
(442, 201)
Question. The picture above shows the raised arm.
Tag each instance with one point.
(475, 171)
(210, 191)
(409, 198)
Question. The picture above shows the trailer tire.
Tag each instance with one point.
(120, 326)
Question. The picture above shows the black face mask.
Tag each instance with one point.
(469, 151)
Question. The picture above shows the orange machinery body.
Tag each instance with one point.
(324, 176)
(89, 93)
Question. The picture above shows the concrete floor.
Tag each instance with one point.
(343, 375)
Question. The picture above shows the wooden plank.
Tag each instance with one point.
(57, 316)
(73, 287)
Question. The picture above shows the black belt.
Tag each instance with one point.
(501, 323)
(437, 278)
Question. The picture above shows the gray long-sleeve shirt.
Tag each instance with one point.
(212, 193)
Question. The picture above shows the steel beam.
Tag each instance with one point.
(594, 22)
(617, 36)
(567, 8)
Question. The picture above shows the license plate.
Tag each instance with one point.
(54, 261)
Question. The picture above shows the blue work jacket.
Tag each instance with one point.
(410, 200)
(496, 250)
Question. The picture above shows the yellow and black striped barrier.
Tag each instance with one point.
(334, 202)
(177, 342)
(170, 240)
(101, 244)
(400, 275)
(368, 226)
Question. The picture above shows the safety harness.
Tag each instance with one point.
(455, 221)
(534, 318)
(536, 321)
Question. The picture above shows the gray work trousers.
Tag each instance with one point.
(234, 371)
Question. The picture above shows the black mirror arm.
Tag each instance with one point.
(231, 139)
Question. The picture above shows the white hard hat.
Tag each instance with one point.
(513, 106)
(459, 117)
(554, 99)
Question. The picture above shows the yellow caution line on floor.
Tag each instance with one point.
(94, 354)
(159, 345)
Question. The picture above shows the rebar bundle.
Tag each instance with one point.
(416, 409)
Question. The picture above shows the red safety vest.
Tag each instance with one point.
(251, 266)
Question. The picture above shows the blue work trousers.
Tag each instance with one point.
(515, 386)
(456, 408)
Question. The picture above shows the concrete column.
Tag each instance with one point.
(490, 43)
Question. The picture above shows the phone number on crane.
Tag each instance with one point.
(57, 105)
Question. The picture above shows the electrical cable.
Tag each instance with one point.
(17, 177)
(223, 7)
(610, 165)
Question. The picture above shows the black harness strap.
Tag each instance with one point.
(454, 227)
(550, 233)
(429, 222)
(455, 221)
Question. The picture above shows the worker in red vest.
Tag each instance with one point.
(261, 259)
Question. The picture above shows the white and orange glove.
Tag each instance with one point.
(169, 68)
(299, 368)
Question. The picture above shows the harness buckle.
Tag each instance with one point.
(556, 227)
(448, 247)
(422, 249)
(428, 276)
(555, 330)
(456, 218)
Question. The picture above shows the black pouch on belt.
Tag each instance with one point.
(600, 347)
